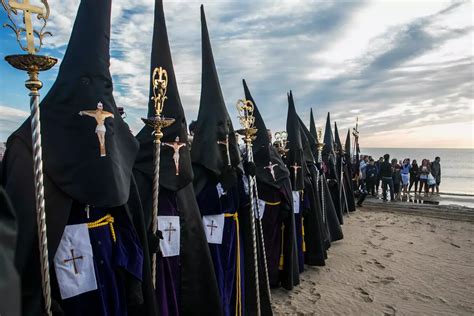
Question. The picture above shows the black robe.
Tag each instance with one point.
(198, 292)
(9, 280)
(60, 208)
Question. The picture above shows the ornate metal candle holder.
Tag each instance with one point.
(157, 122)
(33, 64)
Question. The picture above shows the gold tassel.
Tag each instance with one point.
(238, 285)
(302, 233)
(280, 267)
(106, 220)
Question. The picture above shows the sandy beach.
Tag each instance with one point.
(395, 259)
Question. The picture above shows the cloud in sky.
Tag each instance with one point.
(405, 68)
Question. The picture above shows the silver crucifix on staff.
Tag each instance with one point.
(157, 122)
(33, 64)
(226, 144)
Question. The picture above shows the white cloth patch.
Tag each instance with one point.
(220, 190)
(74, 262)
(214, 227)
(261, 208)
(170, 228)
(296, 202)
(246, 185)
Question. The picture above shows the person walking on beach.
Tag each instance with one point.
(436, 172)
(414, 176)
(405, 172)
(371, 177)
(397, 179)
(386, 175)
(378, 164)
(424, 172)
(362, 168)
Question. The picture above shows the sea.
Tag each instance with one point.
(457, 165)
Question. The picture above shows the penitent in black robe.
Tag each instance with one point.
(10, 282)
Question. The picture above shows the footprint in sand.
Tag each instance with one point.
(359, 268)
(388, 254)
(389, 310)
(422, 297)
(316, 297)
(381, 280)
(371, 244)
(363, 252)
(366, 297)
(376, 263)
(383, 238)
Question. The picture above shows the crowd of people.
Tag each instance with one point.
(398, 177)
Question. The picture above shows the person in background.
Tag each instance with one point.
(371, 177)
(386, 176)
(378, 164)
(362, 168)
(397, 178)
(405, 171)
(436, 172)
(424, 171)
(192, 128)
(414, 176)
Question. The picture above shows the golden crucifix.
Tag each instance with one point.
(176, 145)
(28, 9)
(100, 115)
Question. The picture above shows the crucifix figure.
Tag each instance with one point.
(100, 115)
(176, 145)
(28, 9)
(73, 259)
(170, 230)
(295, 168)
(226, 144)
(212, 226)
(271, 166)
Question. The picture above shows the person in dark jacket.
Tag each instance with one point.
(378, 164)
(386, 175)
(371, 177)
(436, 172)
(397, 179)
(414, 176)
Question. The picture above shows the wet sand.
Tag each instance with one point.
(395, 259)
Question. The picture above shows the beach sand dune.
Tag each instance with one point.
(390, 263)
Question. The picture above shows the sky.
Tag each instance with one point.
(404, 68)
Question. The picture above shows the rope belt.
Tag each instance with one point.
(238, 286)
(273, 203)
(106, 220)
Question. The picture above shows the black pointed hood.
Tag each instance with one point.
(347, 144)
(328, 137)
(312, 125)
(161, 57)
(337, 139)
(309, 143)
(213, 123)
(265, 154)
(295, 146)
(71, 150)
